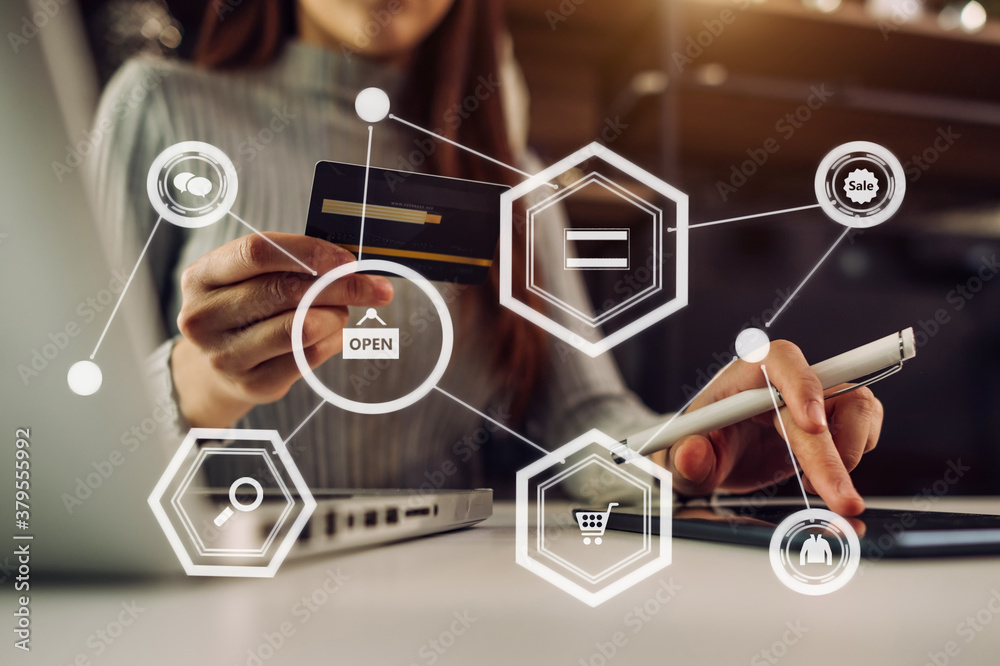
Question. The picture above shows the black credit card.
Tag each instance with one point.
(446, 229)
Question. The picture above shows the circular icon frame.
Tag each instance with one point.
(838, 527)
(444, 316)
(876, 157)
(159, 193)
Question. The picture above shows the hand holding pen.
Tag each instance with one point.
(734, 443)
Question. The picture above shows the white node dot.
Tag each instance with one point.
(752, 345)
(372, 105)
(84, 378)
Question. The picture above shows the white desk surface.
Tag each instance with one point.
(400, 602)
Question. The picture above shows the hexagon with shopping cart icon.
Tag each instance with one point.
(230, 510)
(569, 545)
(635, 248)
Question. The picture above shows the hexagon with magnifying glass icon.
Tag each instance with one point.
(232, 502)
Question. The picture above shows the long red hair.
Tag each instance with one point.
(444, 72)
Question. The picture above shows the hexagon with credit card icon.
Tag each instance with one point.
(630, 251)
(230, 510)
(568, 543)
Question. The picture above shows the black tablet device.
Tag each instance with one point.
(883, 532)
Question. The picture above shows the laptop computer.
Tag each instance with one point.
(92, 461)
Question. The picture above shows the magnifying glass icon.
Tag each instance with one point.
(227, 513)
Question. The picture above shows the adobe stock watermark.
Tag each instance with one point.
(253, 145)
(560, 524)
(612, 129)
(562, 12)
(463, 451)
(942, 143)
(453, 117)
(750, 505)
(435, 647)
(633, 623)
(224, 9)
(772, 654)
(101, 640)
(77, 153)
(303, 610)
(902, 12)
(131, 440)
(423, 148)
(958, 298)
(48, 349)
(486, 86)
(967, 630)
(696, 45)
(786, 127)
(927, 497)
(878, 548)
(364, 34)
(29, 27)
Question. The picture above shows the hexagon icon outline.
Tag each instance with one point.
(541, 320)
(189, 527)
(657, 220)
(235, 570)
(589, 597)
(647, 546)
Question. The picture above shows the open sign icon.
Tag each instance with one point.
(371, 343)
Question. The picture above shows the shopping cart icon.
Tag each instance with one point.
(593, 524)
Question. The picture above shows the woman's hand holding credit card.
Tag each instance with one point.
(238, 304)
(239, 300)
(446, 229)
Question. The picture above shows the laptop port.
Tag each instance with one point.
(371, 518)
(391, 516)
(423, 511)
(331, 523)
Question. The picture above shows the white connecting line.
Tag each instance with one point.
(806, 278)
(143, 254)
(686, 405)
(458, 145)
(304, 421)
(491, 420)
(747, 217)
(127, 283)
(784, 434)
(364, 195)
(364, 204)
(777, 212)
(439, 390)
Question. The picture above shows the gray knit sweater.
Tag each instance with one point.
(275, 124)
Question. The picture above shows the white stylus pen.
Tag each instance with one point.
(883, 356)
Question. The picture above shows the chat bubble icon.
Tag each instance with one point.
(199, 186)
(196, 185)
